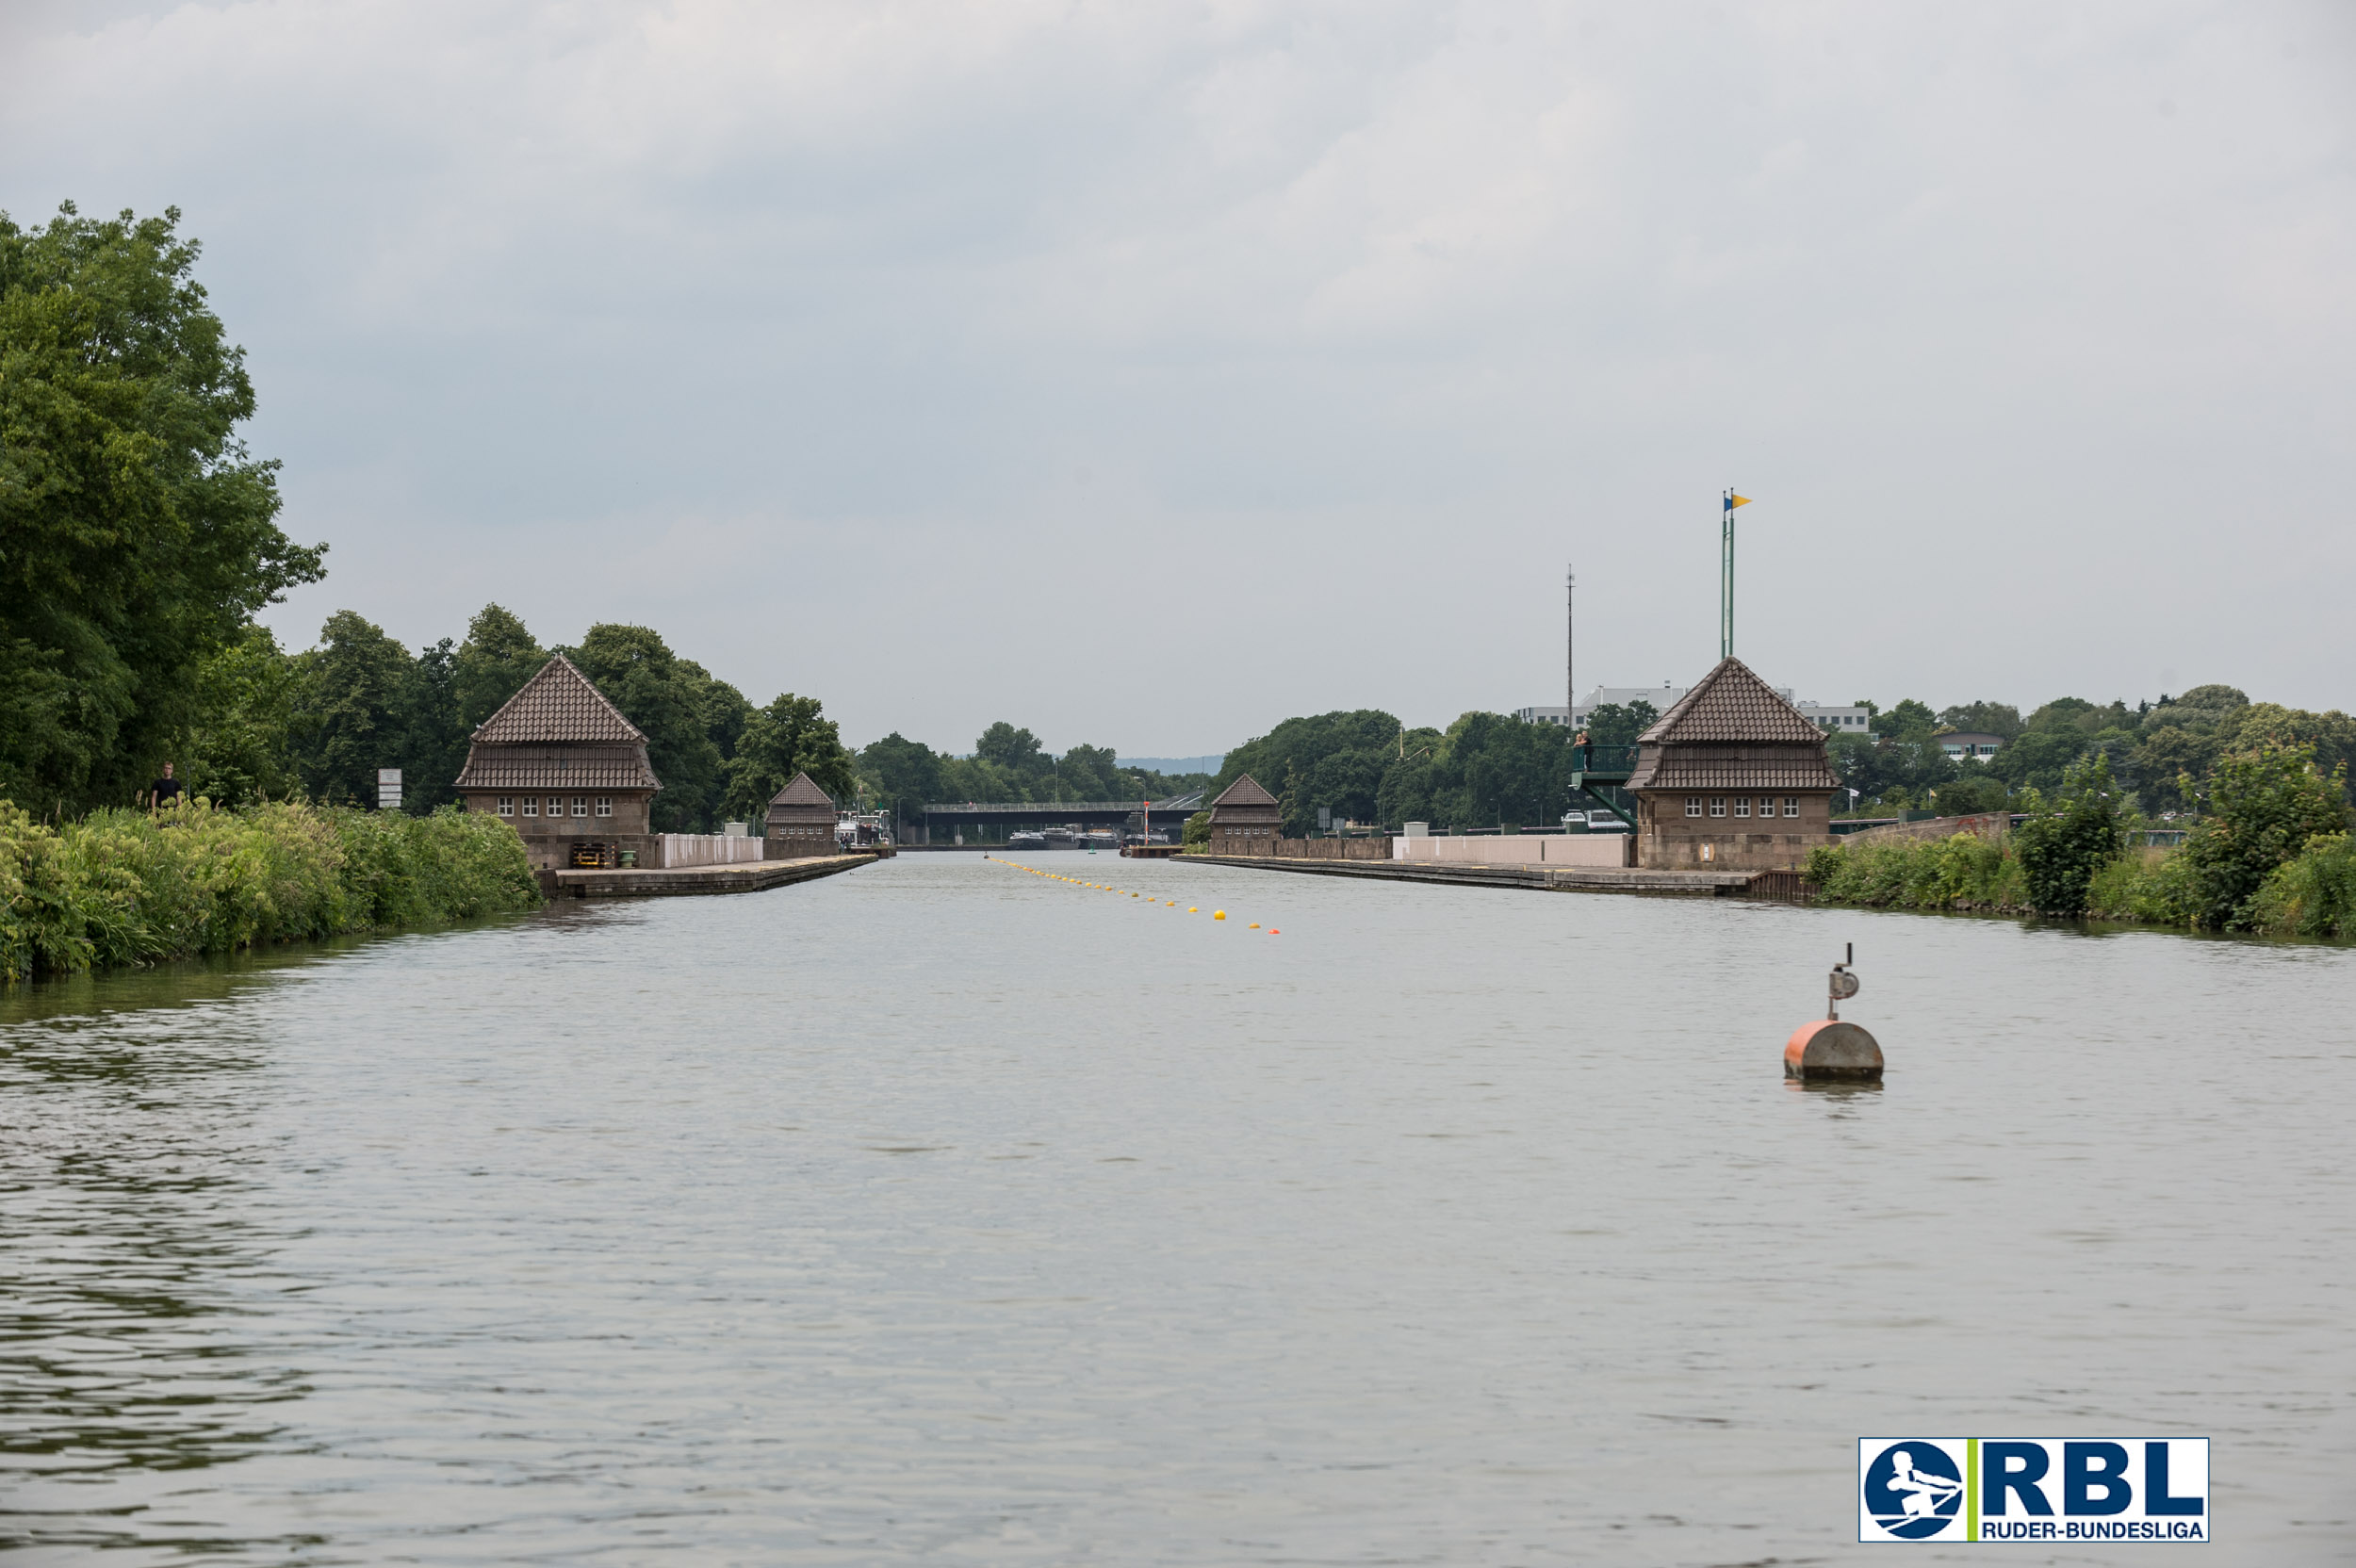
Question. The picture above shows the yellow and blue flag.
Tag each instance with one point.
(1734, 500)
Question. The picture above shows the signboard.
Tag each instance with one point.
(388, 788)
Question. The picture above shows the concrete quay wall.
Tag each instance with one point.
(1566, 879)
(689, 880)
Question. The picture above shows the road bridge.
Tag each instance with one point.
(991, 821)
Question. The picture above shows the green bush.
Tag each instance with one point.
(2264, 807)
(2314, 895)
(2062, 851)
(126, 887)
(1964, 870)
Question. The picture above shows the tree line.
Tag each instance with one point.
(320, 723)
(1007, 764)
(2162, 754)
(1488, 770)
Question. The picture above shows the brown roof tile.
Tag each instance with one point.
(1245, 791)
(1733, 767)
(802, 792)
(556, 767)
(1732, 704)
(558, 704)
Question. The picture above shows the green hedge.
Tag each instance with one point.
(2313, 894)
(127, 887)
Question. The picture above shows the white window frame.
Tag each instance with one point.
(581, 805)
(1693, 805)
(1742, 806)
(532, 806)
(507, 805)
(556, 806)
(1792, 805)
(605, 805)
(1717, 805)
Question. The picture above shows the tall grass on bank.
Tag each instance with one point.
(129, 887)
(2313, 894)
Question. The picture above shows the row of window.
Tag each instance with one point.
(1742, 806)
(1248, 832)
(556, 806)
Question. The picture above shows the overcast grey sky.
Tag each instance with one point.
(1146, 373)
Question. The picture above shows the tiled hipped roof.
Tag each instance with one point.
(1245, 791)
(1732, 731)
(556, 767)
(1732, 704)
(802, 792)
(557, 733)
(557, 704)
(1734, 767)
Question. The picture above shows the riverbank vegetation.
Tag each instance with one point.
(119, 886)
(2272, 853)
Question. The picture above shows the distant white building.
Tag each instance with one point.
(1834, 720)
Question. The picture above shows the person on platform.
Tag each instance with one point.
(166, 790)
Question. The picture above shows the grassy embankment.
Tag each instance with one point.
(2313, 894)
(126, 887)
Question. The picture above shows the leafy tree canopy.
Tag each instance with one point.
(2264, 807)
(666, 697)
(137, 536)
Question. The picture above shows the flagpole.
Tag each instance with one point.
(1726, 503)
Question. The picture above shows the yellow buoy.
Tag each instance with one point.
(1192, 911)
(1218, 914)
(1255, 925)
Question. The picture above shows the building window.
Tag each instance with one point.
(1693, 805)
(1792, 805)
(1743, 805)
(556, 806)
(581, 805)
(1717, 805)
(507, 805)
(605, 805)
(532, 806)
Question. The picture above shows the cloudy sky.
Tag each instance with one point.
(1145, 373)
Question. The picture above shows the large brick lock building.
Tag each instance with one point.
(561, 765)
(1732, 777)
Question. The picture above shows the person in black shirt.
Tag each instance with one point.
(165, 789)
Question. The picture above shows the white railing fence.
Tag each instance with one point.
(706, 849)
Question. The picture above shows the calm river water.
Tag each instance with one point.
(937, 1211)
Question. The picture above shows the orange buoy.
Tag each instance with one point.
(1825, 1050)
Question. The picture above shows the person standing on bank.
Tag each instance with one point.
(165, 791)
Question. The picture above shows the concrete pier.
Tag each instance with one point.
(746, 878)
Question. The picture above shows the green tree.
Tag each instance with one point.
(2061, 850)
(492, 665)
(640, 675)
(1609, 724)
(1909, 721)
(433, 749)
(901, 773)
(234, 751)
(350, 709)
(2263, 808)
(789, 736)
(137, 536)
(1982, 718)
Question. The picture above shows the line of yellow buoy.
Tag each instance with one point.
(1108, 887)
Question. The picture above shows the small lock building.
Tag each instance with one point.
(1732, 777)
(801, 823)
(1246, 820)
(561, 765)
